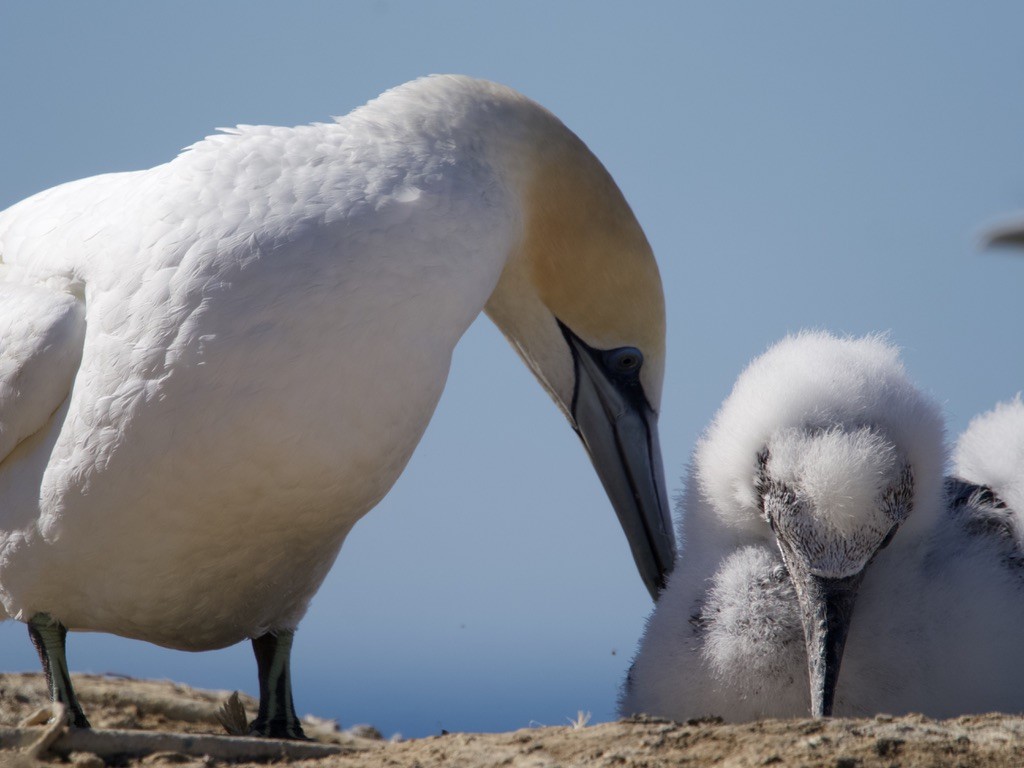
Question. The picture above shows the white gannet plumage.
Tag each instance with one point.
(210, 370)
(832, 433)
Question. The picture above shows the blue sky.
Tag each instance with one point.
(794, 164)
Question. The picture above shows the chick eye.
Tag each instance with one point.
(888, 538)
(625, 360)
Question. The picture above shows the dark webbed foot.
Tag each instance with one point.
(277, 718)
(49, 637)
(278, 729)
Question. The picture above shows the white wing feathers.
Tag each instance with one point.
(41, 337)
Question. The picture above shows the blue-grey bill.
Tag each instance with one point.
(826, 607)
(621, 438)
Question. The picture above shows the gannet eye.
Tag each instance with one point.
(888, 538)
(624, 360)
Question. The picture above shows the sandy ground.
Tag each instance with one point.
(147, 709)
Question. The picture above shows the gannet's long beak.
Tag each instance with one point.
(620, 432)
(826, 609)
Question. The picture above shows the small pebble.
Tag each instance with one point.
(86, 760)
(166, 757)
(364, 731)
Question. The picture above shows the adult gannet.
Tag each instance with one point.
(211, 369)
(815, 496)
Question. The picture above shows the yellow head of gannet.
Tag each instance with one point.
(581, 300)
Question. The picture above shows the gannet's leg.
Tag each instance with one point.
(48, 636)
(277, 718)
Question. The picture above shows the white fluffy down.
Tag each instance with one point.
(753, 637)
(818, 381)
(844, 473)
(991, 452)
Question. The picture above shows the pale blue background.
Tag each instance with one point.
(794, 164)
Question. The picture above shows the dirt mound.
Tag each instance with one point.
(136, 720)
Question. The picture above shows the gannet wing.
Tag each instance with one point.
(41, 337)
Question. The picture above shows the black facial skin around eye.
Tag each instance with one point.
(621, 365)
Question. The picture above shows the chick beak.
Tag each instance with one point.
(826, 609)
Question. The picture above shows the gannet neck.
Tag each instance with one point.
(578, 296)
